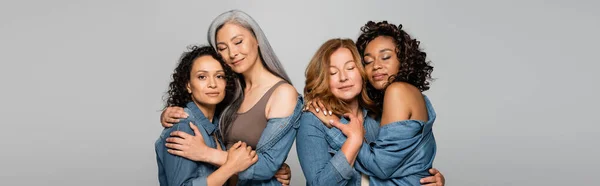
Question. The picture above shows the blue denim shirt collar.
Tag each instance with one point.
(197, 113)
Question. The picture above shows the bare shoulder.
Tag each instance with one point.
(400, 102)
(282, 102)
(402, 93)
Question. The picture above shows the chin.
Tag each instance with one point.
(239, 69)
(212, 101)
(347, 97)
(379, 85)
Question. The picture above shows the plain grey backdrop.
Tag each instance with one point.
(516, 90)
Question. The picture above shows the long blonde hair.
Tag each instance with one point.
(317, 76)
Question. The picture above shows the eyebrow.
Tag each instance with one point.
(380, 51)
(349, 61)
(207, 71)
(232, 38)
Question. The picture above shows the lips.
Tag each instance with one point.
(237, 62)
(345, 87)
(379, 76)
(212, 94)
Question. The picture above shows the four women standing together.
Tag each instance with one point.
(235, 95)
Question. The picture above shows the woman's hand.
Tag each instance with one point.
(240, 156)
(318, 106)
(188, 146)
(171, 115)
(353, 130)
(284, 175)
(436, 180)
(325, 115)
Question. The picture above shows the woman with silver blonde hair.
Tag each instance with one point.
(264, 113)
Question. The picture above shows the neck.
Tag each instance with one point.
(207, 110)
(257, 74)
(354, 107)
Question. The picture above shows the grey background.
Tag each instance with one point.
(82, 82)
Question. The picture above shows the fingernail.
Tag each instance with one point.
(422, 180)
(186, 115)
(330, 121)
(317, 110)
(330, 112)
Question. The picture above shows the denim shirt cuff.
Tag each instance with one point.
(340, 163)
(201, 181)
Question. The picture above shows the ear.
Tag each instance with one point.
(187, 86)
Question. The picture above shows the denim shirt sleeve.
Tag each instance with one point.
(387, 156)
(274, 145)
(315, 156)
(176, 169)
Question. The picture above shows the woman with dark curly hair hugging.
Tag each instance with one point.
(265, 109)
(201, 85)
(397, 74)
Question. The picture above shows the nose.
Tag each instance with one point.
(343, 76)
(233, 52)
(377, 64)
(212, 83)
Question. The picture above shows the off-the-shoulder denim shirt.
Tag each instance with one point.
(402, 153)
(272, 149)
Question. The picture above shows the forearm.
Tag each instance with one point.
(270, 160)
(320, 168)
(220, 176)
(216, 157)
(350, 149)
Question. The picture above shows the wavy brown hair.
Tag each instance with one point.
(317, 77)
(414, 68)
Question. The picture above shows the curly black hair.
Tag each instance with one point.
(414, 68)
(177, 94)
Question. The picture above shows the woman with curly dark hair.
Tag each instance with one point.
(201, 84)
(397, 73)
(265, 109)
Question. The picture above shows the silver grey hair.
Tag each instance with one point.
(269, 60)
(240, 18)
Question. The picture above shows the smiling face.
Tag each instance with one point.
(381, 61)
(345, 81)
(207, 81)
(238, 46)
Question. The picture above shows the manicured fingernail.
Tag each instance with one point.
(330, 121)
(422, 180)
(330, 112)
(317, 110)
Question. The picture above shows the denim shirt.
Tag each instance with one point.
(402, 154)
(272, 149)
(322, 164)
(175, 170)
